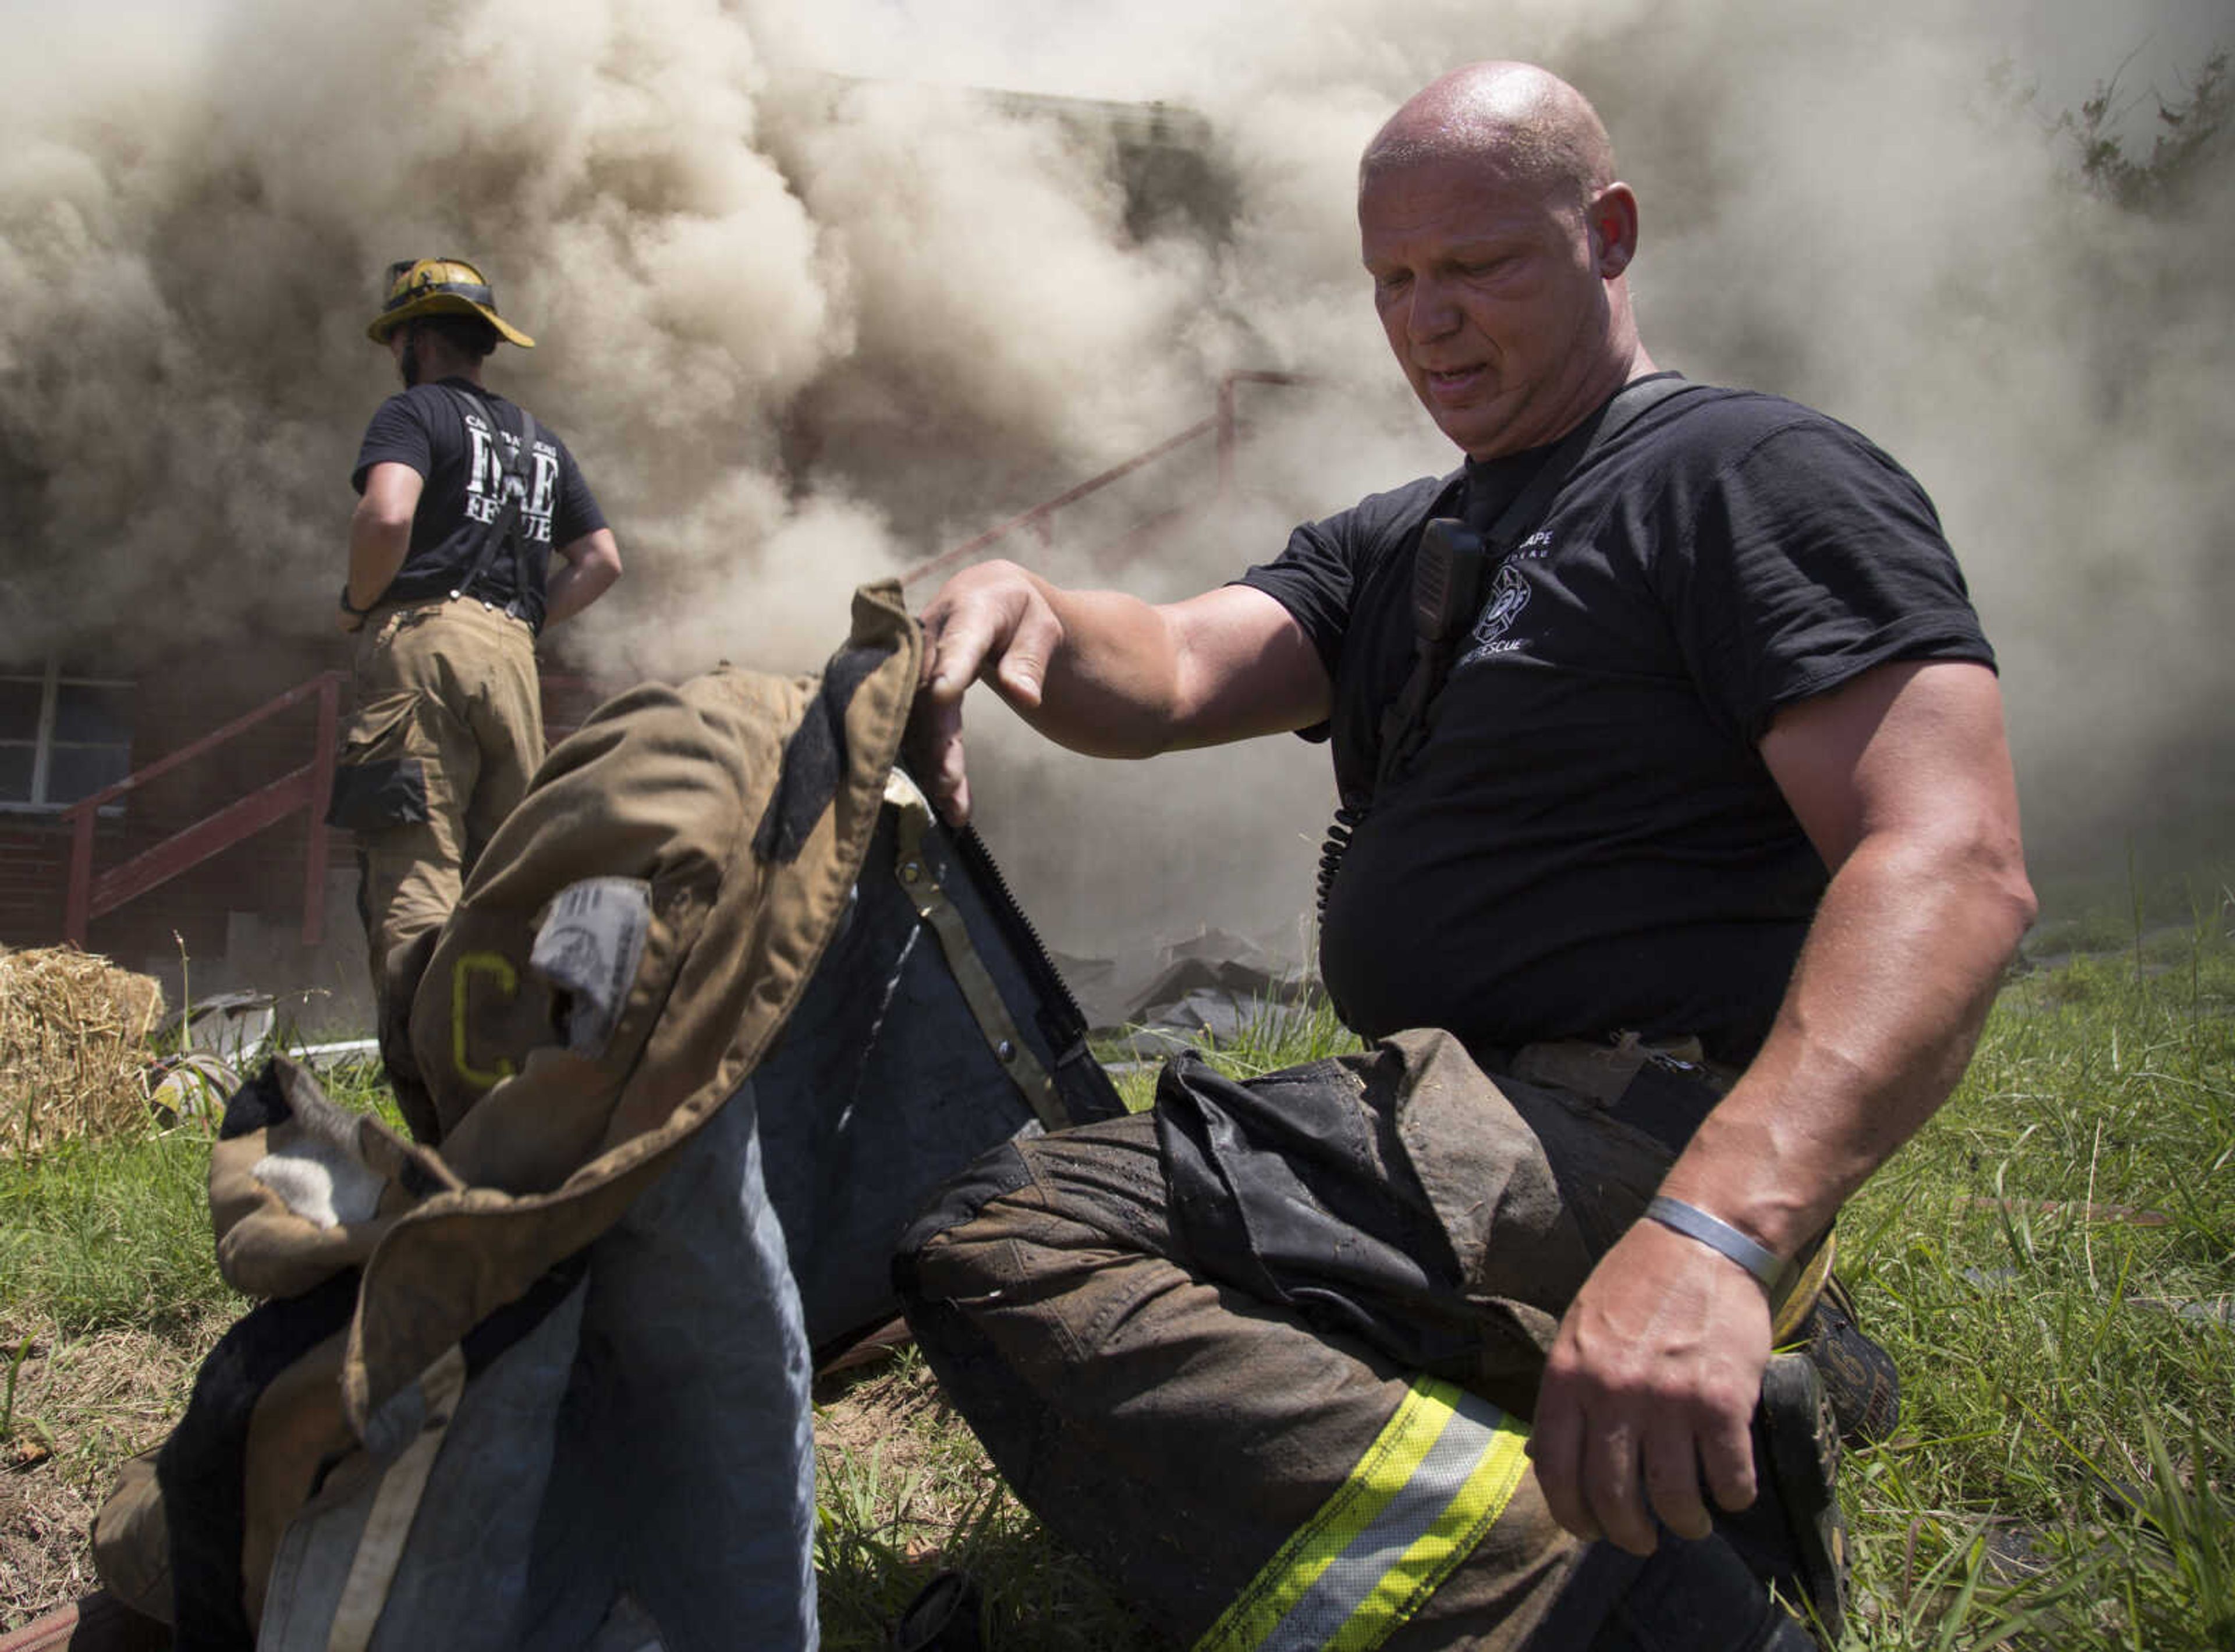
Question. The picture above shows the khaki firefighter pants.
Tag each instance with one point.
(1237, 1466)
(448, 730)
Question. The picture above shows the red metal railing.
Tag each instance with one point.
(1039, 521)
(306, 789)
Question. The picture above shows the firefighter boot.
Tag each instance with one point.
(1686, 1596)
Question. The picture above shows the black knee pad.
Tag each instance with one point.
(955, 1202)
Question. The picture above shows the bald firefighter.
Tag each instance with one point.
(464, 497)
(1681, 864)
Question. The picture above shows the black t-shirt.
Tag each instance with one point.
(1590, 841)
(465, 462)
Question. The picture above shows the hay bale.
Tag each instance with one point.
(74, 1032)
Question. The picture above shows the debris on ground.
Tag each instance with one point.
(1212, 989)
(193, 1084)
(74, 1031)
(232, 1027)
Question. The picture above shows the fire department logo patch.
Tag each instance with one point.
(1508, 595)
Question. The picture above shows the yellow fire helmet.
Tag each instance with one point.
(435, 286)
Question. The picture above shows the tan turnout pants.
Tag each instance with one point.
(1219, 1455)
(447, 731)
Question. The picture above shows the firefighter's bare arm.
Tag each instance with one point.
(592, 563)
(1106, 673)
(380, 534)
(1902, 779)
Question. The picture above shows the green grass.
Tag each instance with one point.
(2064, 1476)
(2049, 1262)
(116, 1236)
(2065, 1473)
(110, 1236)
(903, 1491)
(109, 1296)
(2150, 907)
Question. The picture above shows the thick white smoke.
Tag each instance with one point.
(809, 311)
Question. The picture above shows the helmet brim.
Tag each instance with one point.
(434, 304)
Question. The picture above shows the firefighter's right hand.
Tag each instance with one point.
(1649, 1390)
(345, 621)
(991, 623)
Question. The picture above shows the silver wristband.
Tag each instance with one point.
(1718, 1237)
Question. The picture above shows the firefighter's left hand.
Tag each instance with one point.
(345, 621)
(1649, 1391)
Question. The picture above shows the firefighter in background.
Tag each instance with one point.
(463, 497)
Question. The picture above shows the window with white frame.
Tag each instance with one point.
(65, 732)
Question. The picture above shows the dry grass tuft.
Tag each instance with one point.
(900, 1410)
(44, 1561)
(81, 1406)
(73, 1047)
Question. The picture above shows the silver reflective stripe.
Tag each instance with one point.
(920, 882)
(1438, 1477)
(395, 1506)
(1352, 1575)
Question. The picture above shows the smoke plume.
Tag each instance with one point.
(810, 309)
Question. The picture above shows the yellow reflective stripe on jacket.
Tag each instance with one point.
(1438, 1477)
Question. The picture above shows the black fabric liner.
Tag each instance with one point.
(259, 1104)
(202, 1473)
(958, 1200)
(814, 758)
(1272, 1190)
(369, 796)
(882, 1084)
